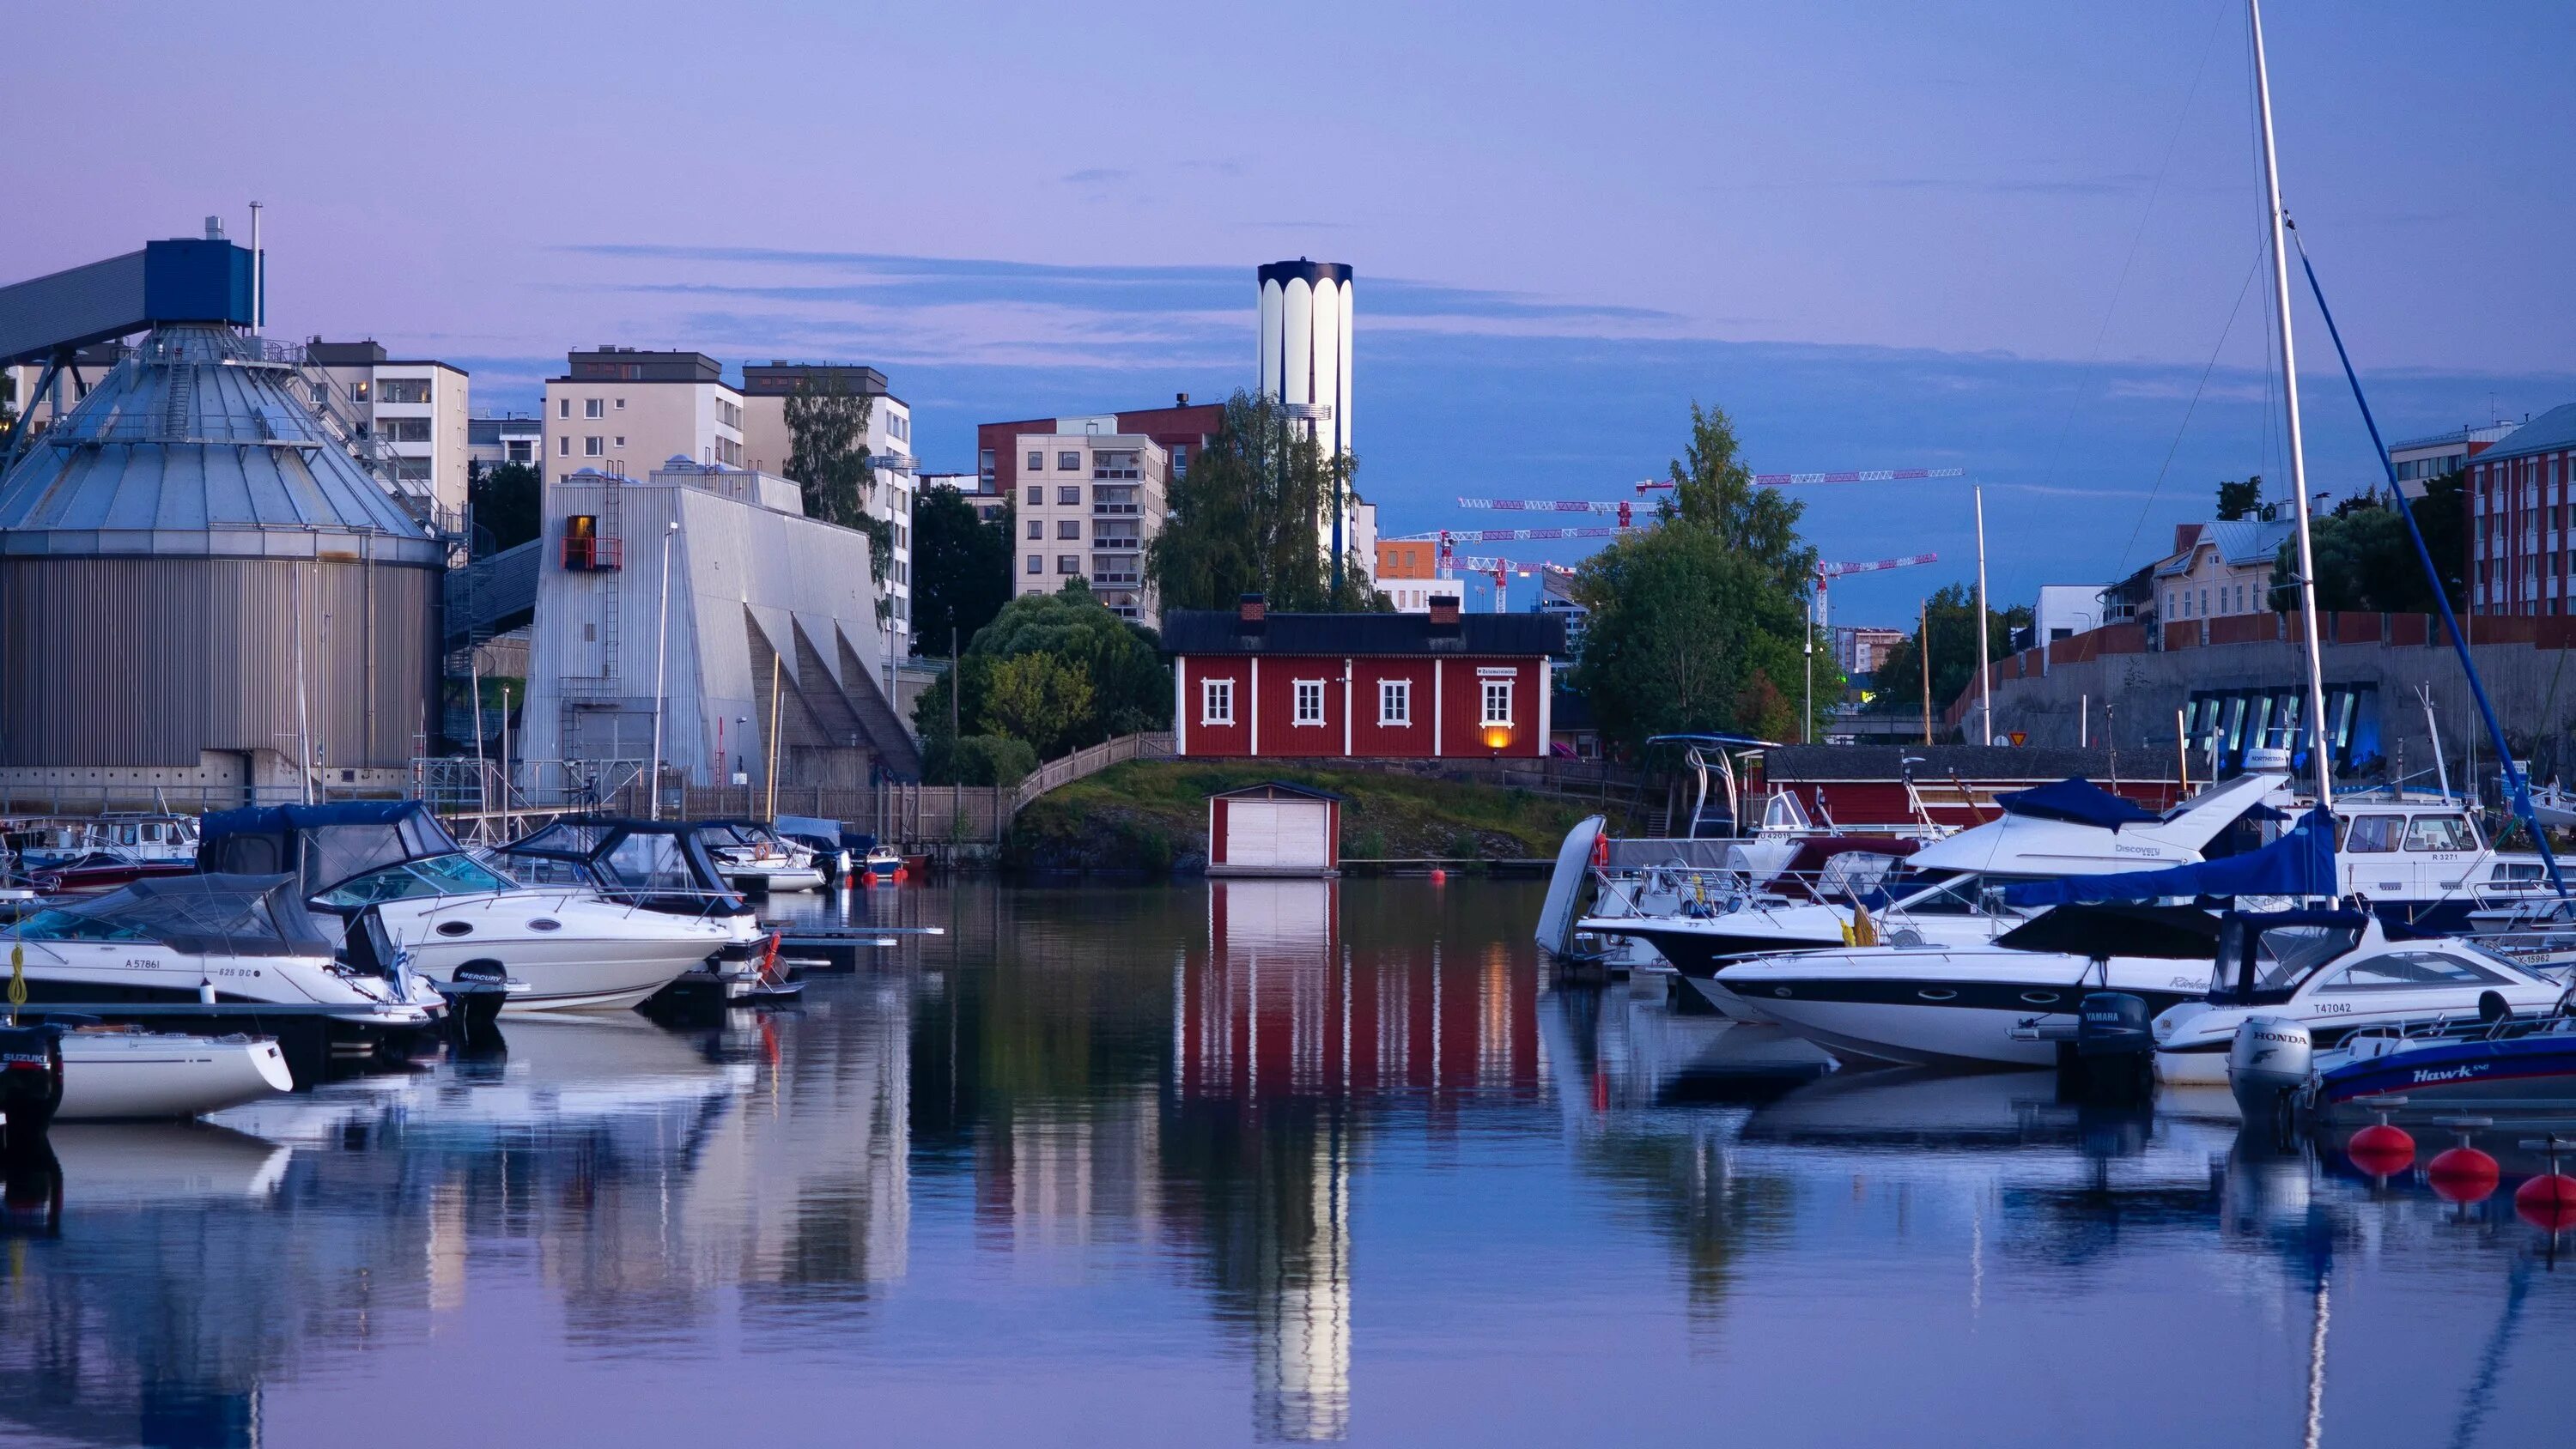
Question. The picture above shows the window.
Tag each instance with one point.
(729, 452)
(411, 470)
(404, 390)
(592, 407)
(1037, 464)
(2439, 832)
(563, 407)
(1180, 459)
(1216, 701)
(594, 446)
(728, 414)
(2411, 971)
(1068, 528)
(621, 440)
(1037, 529)
(563, 445)
(403, 430)
(1068, 563)
(362, 390)
(984, 464)
(1037, 565)
(1118, 463)
(1037, 495)
(2370, 834)
(1498, 702)
(621, 405)
(1395, 701)
(520, 451)
(1068, 462)
(1069, 495)
(1309, 702)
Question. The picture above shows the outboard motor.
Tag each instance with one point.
(31, 1087)
(2267, 1063)
(2114, 1050)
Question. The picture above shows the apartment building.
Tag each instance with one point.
(1181, 431)
(990, 504)
(415, 408)
(1089, 504)
(89, 365)
(507, 438)
(621, 410)
(765, 391)
(1408, 571)
(2419, 461)
(2522, 519)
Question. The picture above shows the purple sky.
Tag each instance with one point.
(2003, 236)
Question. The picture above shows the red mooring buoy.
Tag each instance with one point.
(2462, 1175)
(2381, 1150)
(2547, 1202)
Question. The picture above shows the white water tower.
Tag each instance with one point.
(1306, 345)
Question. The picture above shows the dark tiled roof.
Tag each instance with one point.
(1219, 631)
(2547, 433)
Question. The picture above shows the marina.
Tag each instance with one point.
(1296, 1161)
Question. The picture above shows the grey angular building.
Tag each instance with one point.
(203, 595)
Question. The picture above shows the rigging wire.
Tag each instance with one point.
(2129, 549)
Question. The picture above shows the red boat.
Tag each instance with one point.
(101, 872)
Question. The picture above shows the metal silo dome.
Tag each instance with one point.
(168, 552)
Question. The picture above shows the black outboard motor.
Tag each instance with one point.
(31, 1087)
(477, 991)
(2115, 1052)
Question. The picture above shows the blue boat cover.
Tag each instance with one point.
(2300, 863)
(278, 819)
(2075, 799)
(325, 844)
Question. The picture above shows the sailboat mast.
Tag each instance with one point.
(2290, 392)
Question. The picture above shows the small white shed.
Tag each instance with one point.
(1274, 828)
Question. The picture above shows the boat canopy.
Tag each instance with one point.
(810, 825)
(2077, 800)
(2300, 863)
(326, 844)
(203, 915)
(2098, 932)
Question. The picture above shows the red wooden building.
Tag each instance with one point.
(1256, 685)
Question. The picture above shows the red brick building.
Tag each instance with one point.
(2522, 541)
(1182, 430)
(1252, 684)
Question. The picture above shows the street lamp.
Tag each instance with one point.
(661, 662)
(1498, 737)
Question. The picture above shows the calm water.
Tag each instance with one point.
(1274, 1161)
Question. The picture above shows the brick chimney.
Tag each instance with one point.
(1444, 611)
(1252, 614)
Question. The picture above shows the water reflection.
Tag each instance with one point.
(1327, 1155)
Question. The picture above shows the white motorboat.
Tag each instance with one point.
(125, 1074)
(2335, 973)
(752, 858)
(570, 945)
(656, 869)
(1942, 898)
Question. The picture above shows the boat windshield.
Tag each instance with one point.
(650, 862)
(59, 925)
(2287, 955)
(1957, 896)
(439, 875)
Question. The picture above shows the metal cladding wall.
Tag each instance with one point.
(140, 661)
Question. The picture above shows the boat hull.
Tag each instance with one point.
(1936, 1012)
(2525, 1073)
(110, 1076)
(594, 956)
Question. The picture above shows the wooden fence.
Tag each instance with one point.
(1152, 745)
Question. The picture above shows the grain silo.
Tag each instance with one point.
(200, 587)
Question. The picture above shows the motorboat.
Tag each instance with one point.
(1930, 1005)
(658, 869)
(2335, 972)
(1942, 897)
(751, 857)
(825, 838)
(112, 1074)
(207, 947)
(573, 945)
(52, 843)
(884, 865)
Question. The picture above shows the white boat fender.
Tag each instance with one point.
(205, 991)
(2269, 1060)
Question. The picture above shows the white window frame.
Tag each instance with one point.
(1216, 701)
(1395, 701)
(592, 407)
(594, 446)
(1497, 689)
(1299, 694)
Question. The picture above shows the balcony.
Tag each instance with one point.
(1116, 510)
(586, 555)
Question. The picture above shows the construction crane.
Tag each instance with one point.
(1499, 569)
(1820, 616)
(1625, 508)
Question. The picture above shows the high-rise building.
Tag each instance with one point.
(765, 391)
(2522, 553)
(1089, 504)
(619, 410)
(414, 408)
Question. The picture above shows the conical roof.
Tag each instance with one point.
(197, 444)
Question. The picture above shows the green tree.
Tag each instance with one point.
(2241, 500)
(1713, 489)
(508, 502)
(1131, 687)
(1951, 617)
(2366, 560)
(1039, 699)
(1686, 634)
(827, 456)
(1253, 515)
(961, 568)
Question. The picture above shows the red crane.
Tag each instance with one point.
(1820, 614)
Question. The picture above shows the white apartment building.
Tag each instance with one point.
(1089, 504)
(624, 411)
(507, 438)
(415, 408)
(765, 390)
